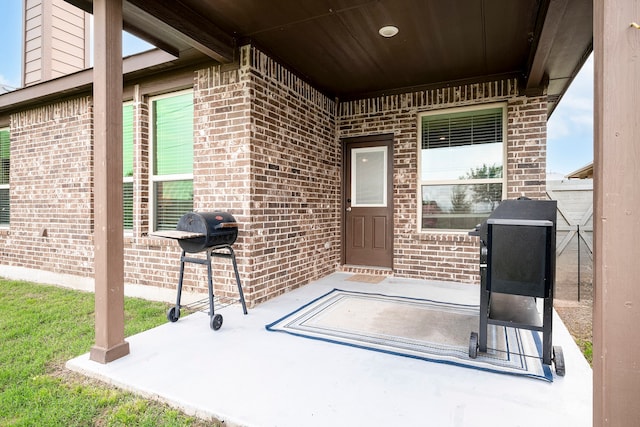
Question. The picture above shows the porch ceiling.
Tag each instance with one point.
(335, 45)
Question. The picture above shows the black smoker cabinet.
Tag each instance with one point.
(517, 266)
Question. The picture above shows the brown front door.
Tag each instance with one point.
(368, 201)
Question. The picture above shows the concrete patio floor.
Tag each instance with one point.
(246, 376)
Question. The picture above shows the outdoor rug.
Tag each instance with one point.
(435, 331)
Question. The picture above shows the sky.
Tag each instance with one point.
(569, 130)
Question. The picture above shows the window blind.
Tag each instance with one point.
(127, 205)
(127, 166)
(463, 128)
(127, 140)
(4, 206)
(4, 157)
(173, 199)
(173, 121)
(4, 176)
(173, 155)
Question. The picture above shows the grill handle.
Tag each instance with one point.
(226, 225)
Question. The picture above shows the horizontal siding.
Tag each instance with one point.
(33, 55)
(66, 45)
(34, 23)
(66, 27)
(32, 66)
(68, 13)
(64, 52)
(72, 39)
(67, 39)
(33, 3)
(33, 34)
(54, 40)
(61, 58)
(61, 69)
(33, 12)
(32, 42)
(32, 77)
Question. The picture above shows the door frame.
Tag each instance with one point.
(386, 139)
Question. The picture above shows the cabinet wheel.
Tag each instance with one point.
(558, 360)
(473, 345)
(216, 322)
(173, 314)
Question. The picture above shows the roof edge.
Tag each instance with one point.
(81, 81)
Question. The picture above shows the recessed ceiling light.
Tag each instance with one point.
(388, 31)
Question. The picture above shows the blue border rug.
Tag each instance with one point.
(434, 331)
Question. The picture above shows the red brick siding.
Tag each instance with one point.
(266, 152)
(221, 169)
(527, 148)
(266, 148)
(51, 187)
(447, 256)
(295, 181)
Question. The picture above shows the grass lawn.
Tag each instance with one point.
(42, 327)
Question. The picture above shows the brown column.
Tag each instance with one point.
(616, 320)
(107, 136)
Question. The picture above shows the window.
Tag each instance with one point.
(4, 176)
(127, 166)
(172, 158)
(369, 177)
(461, 166)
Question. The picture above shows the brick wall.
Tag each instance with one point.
(451, 256)
(267, 148)
(295, 175)
(266, 152)
(527, 147)
(51, 189)
(221, 169)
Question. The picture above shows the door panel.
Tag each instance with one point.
(380, 232)
(358, 231)
(368, 214)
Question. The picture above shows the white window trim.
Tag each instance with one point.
(355, 202)
(7, 186)
(129, 179)
(155, 178)
(420, 183)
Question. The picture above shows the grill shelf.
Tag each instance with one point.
(203, 304)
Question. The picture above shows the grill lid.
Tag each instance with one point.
(199, 231)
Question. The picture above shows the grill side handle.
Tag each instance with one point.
(226, 225)
(176, 234)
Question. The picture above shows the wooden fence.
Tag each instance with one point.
(574, 238)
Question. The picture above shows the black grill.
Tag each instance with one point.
(517, 266)
(212, 233)
(211, 230)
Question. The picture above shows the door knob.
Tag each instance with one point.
(349, 209)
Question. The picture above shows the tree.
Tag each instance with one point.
(485, 193)
(459, 202)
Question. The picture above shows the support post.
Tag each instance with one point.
(616, 305)
(107, 137)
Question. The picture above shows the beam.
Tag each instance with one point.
(548, 22)
(131, 24)
(191, 27)
(133, 19)
(107, 139)
(142, 64)
(616, 310)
